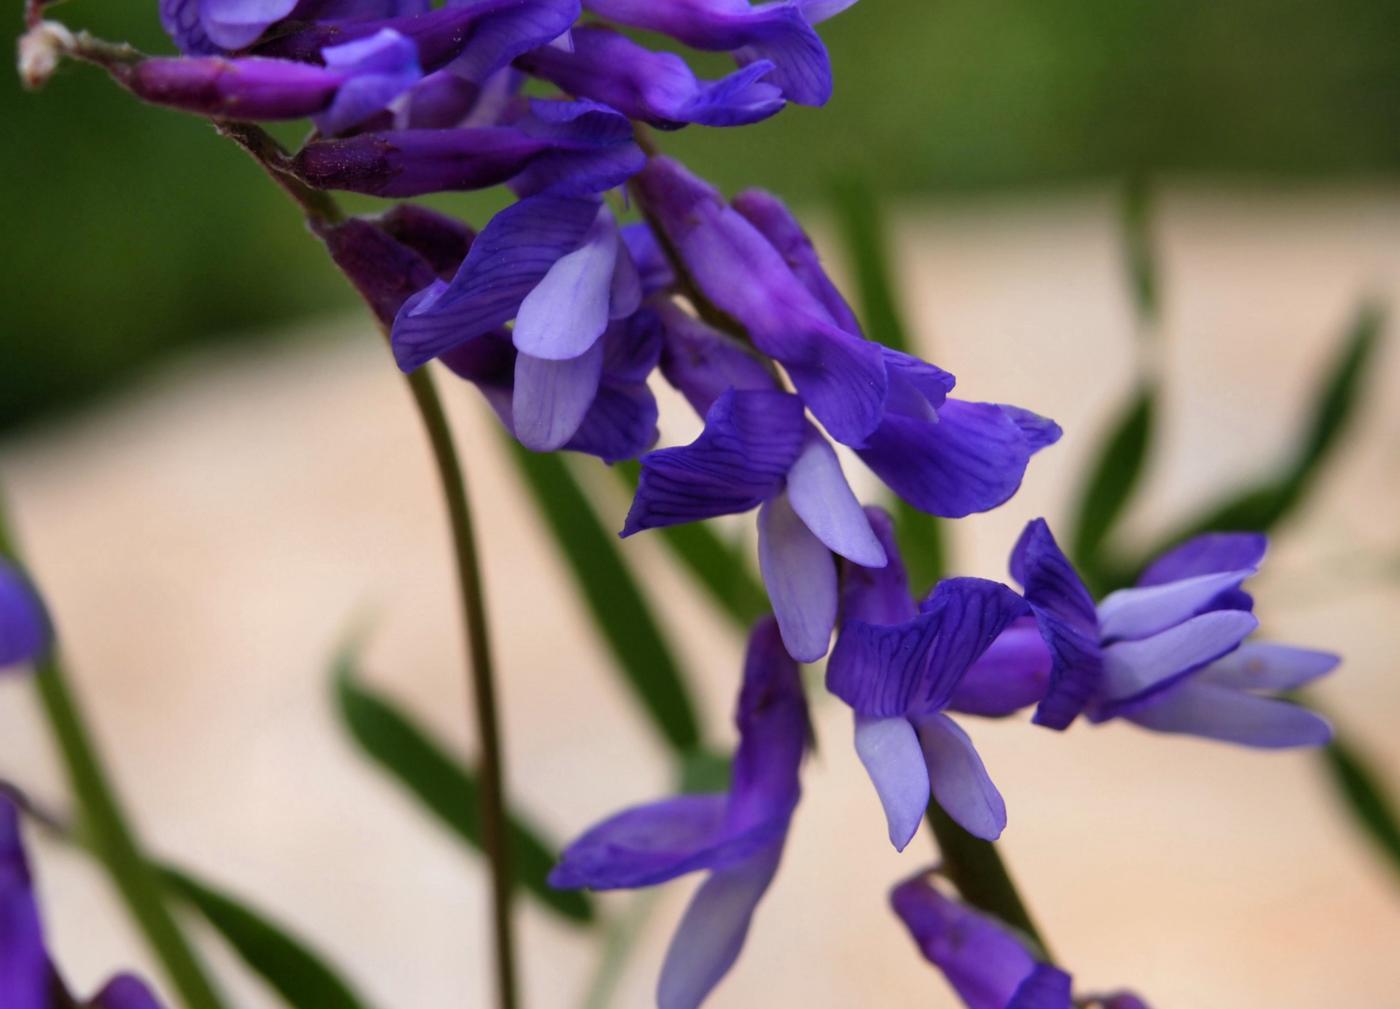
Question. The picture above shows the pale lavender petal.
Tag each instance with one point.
(380, 68)
(877, 595)
(1207, 555)
(233, 24)
(567, 311)
(182, 22)
(125, 991)
(1261, 665)
(958, 778)
(552, 397)
(1233, 716)
(1012, 674)
(740, 459)
(800, 576)
(819, 493)
(1137, 613)
(24, 965)
(1047, 987)
(713, 929)
(889, 749)
(1136, 670)
(24, 625)
(983, 961)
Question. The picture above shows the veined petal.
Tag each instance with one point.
(1139, 669)
(552, 397)
(958, 778)
(800, 576)
(712, 931)
(620, 424)
(567, 311)
(878, 595)
(1265, 665)
(982, 960)
(510, 256)
(819, 493)
(1047, 987)
(1207, 555)
(1013, 673)
(917, 388)
(773, 732)
(889, 749)
(24, 625)
(24, 965)
(1232, 716)
(233, 24)
(750, 441)
(1137, 613)
(703, 363)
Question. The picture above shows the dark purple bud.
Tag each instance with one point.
(385, 271)
(443, 241)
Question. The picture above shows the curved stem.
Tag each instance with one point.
(494, 836)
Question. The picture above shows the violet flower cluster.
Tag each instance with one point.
(560, 314)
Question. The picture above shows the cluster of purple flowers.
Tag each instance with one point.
(560, 314)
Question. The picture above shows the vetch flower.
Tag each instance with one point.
(1168, 654)
(897, 665)
(25, 631)
(658, 88)
(207, 27)
(780, 32)
(28, 980)
(738, 837)
(983, 960)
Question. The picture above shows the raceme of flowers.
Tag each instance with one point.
(559, 311)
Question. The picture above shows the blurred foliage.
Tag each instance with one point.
(1359, 786)
(140, 231)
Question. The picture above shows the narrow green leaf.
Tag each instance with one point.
(1114, 475)
(290, 967)
(618, 607)
(720, 568)
(1139, 252)
(445, 786)
(1359, 787)
(862, 231)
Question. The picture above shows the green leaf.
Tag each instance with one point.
(1112, 479)
(445, 786)
(292, 969)
(862, 231)
(1139, 253)
(720, 568)
(618, 607)
(1359, 787)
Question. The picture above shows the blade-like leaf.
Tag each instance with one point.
(1139, 251)
(445, 786)
(618, 607)
(1359, 787)
(720, 568)
(862, 231)
(292, 969)
(1112, 479)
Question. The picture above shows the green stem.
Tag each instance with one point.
(976, 869)
(494, 836)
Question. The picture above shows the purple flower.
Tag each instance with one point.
(757, 450)
(25, 631)
(1168, 654)
(206, 27)
(27, 978)
(897, 666)
(985, 962)
(780, 32)
(658, 88)
(738, 837)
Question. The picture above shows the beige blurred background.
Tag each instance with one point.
(207, 538)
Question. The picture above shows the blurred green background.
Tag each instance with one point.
(135, 231)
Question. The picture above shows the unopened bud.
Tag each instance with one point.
(40, 50)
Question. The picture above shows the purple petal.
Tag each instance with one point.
(877, 595)
(591, 149)
(773, 732)
(913, 667)
(1011, 674)
(442, 240)
(233, 24)
(1259, 665)
(380, 68)
(1137, 613)
(632, 346)
(1135, 670)
(970, 460)
(958, 778)
(889, 749)
(24, 965)
(1207, 555)
(567, 311)
(125, 991)
(552, 397)
(917, 388)
(713, 929)
(1047, 987)
(181, 21)
(819, 493)
(621, 423)
(24, 625)
(510, 256)
(1204, 709)
(652, 265)
(1040, 432)
(800, 576)
(750, 441)
(248, 88)
(979, 956)
(703, 363)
